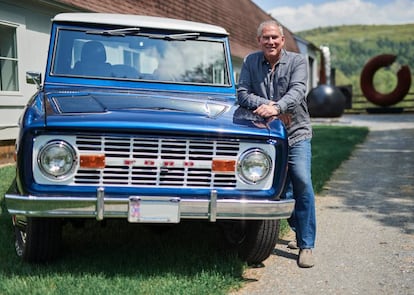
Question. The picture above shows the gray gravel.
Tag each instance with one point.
(365, 215)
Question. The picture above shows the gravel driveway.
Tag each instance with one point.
(365, 215)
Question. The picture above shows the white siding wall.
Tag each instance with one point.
(32, 29)
(312, 56)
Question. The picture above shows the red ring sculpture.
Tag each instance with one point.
(367, 76)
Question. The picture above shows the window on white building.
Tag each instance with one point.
(8, 59)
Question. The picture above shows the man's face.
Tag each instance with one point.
(271, 42)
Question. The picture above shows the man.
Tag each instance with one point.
(273, 83)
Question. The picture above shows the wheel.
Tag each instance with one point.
(253, 239)
(38, 240)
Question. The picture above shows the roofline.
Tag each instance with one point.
(142, 21)
(306, 42)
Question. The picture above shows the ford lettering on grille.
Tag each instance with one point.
(136, 161)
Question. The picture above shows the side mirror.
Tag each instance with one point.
(34, 78)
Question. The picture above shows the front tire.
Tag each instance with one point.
(253, 239)
(38, 240)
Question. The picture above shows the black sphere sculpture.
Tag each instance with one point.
(326, 101)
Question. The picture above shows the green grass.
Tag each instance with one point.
(332, 145)
(115, 257)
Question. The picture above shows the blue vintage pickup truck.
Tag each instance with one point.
(136, 117)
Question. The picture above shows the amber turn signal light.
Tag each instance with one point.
(92, 161)
(222, 165)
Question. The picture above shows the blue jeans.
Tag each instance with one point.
(299, 187)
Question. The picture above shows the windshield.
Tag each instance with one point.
(135, 55)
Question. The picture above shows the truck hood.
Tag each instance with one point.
(210, 105)
(150, 111)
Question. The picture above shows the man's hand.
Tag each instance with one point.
(286, 119)
(267, 110)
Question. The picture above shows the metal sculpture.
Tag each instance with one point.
(367, 76)
(326, 101)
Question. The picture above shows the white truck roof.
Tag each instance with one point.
(140, 21)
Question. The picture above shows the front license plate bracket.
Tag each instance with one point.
(154, 209)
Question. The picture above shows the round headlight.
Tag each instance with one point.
(254, 166)
(57, 159)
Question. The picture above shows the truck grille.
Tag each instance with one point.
(156, 162)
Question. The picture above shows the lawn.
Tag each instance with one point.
(114, 257)
(331, 145)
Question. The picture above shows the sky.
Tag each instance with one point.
(300, 15)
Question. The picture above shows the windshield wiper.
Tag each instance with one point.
(115, 32)
(177, 37)
(136, 31)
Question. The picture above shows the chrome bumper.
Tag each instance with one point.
(105, 207)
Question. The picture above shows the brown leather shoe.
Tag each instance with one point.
(293, 245)
(306, 258)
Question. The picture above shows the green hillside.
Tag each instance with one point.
(352, 46)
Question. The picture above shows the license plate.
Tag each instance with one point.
(154, 210)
